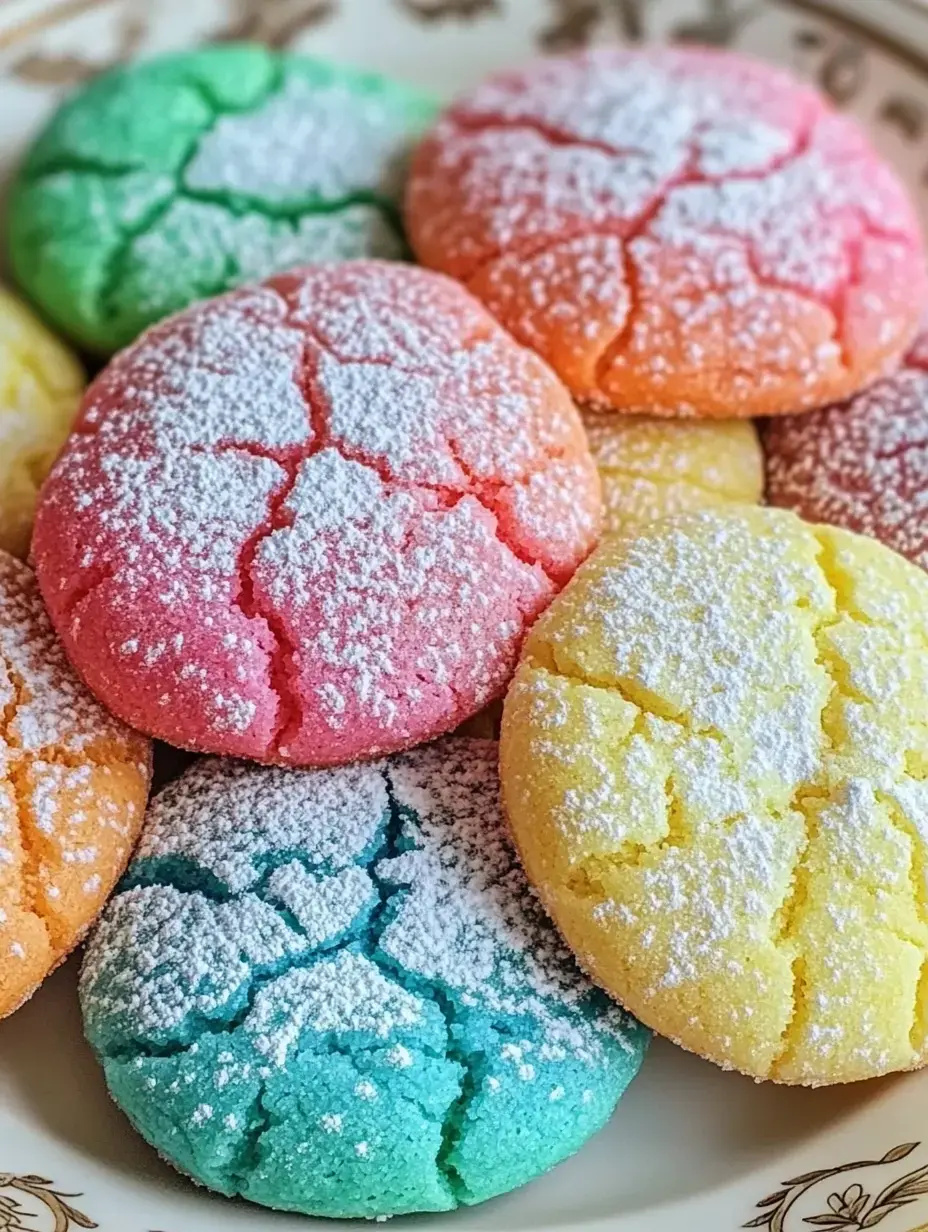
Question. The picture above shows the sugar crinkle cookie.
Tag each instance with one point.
(73, 785)
(333, 991)
(654, 468)
(678, 231)
(861, 464)
(164, 182)
(715, 762)
(40, 390)
(311, 520)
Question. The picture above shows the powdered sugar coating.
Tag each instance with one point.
(861, 464)
(73, 783)
(186, 175)
(310, 521)
(655, 468)
(212, 820)
(430, 1028)
(311, 140)
(714, 761)
(678, 231)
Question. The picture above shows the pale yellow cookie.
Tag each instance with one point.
(652, 468)
(40, 388)
(715, 763)
(73, 786)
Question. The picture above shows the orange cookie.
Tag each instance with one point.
(677, 231)
(73, 786)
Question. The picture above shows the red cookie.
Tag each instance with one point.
(311, 520)
(861, 464)
(677, 231)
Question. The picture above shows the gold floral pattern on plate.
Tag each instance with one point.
(24, 1197)
(848, 1207)
(835, 58)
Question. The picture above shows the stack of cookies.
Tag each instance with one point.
(322, 507)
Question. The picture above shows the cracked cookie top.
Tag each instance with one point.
(310, 521)
(678, 231)
(715, 761)
(861, 464)
(334, 992)
(73, 784)
(164, 182)
(654, 468)
(40, 390)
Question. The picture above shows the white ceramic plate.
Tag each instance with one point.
(692, 1149)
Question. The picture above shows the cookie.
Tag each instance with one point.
(311, 521)
(653, 468)
(168, 181)
(333, 992)
(861, 464)
(677, 231)
(73, 784)
(715, 762)
(40, 390)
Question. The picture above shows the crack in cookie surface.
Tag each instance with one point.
(691, 164)
(794, 886)
(273, 524)
(221, 160)
(396, 990)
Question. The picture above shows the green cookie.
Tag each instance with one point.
(176, 179)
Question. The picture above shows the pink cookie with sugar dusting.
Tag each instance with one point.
(311, 520)
(861, 464)
(677, 231)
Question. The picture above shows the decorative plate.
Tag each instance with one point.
(694, 1149)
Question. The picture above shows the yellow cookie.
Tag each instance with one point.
(652, 468)
(40, 388)
(715, 762)
(73, 785)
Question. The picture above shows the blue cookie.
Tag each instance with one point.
(334, 992)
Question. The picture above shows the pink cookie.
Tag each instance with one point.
(678, 232)
(311, 520)
(862, 464)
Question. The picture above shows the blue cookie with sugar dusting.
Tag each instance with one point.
(334, 992)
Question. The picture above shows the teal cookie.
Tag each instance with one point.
(176, 179)
(334, 992)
